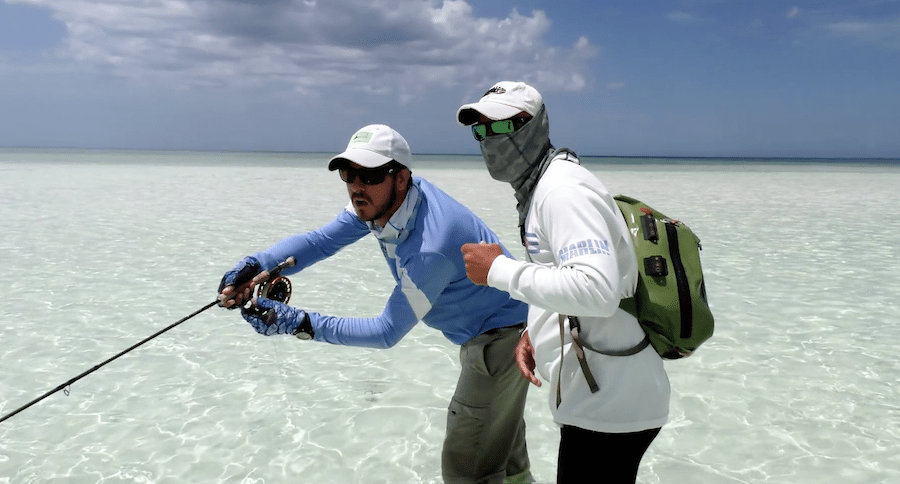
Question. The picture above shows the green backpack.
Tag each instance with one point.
(670, 300)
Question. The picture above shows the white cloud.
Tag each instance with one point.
(398, 46)
(884, 34)
(793, 12)
(681, 17)
(614, 86)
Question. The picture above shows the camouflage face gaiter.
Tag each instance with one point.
(519, 158)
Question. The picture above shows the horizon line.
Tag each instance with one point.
(287, 152)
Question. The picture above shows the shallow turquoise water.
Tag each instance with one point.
(101, 249)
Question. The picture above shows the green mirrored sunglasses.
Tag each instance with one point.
(504, 126)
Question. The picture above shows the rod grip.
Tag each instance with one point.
(289, 262)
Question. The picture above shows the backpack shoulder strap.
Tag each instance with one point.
(580, 345)
(569, 155)
(545, 162)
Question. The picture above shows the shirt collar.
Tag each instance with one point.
(402, 221)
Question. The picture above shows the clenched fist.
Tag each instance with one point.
(478, 258)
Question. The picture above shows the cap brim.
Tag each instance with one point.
(468, 114)
(364, 158)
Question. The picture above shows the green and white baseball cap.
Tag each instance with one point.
(374, 146)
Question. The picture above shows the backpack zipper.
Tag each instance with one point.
(684, 291)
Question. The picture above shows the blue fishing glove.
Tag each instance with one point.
(270, 317)
(243, 272)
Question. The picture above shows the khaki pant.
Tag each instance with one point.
(485, 441)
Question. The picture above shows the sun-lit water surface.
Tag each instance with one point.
(102, 249)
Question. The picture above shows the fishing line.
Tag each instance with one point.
(65, 387)
(281, 370)
(278, 289)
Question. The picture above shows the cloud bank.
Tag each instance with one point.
(397, 47)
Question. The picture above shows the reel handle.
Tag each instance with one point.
(281, 285)
(275, 287)
(289, 262)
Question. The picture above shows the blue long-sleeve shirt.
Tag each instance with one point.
(427, 264)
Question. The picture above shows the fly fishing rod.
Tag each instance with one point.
(275, 287)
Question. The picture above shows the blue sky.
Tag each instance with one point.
(622, 78)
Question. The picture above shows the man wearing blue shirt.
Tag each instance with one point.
(419, 229)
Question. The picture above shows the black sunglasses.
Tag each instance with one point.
(369, 176)
(505, 126)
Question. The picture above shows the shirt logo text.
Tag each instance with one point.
(584, 247)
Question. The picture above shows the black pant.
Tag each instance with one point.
(588, 456)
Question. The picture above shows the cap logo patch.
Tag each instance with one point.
(361, 137)
(495, 90)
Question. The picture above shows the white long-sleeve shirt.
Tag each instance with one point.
(581, 263)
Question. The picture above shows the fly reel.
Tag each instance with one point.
(277, 288)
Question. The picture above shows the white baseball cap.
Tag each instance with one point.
(374, 146)
(503, 101)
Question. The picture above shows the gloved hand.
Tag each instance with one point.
(276, 317)
(243, 272)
